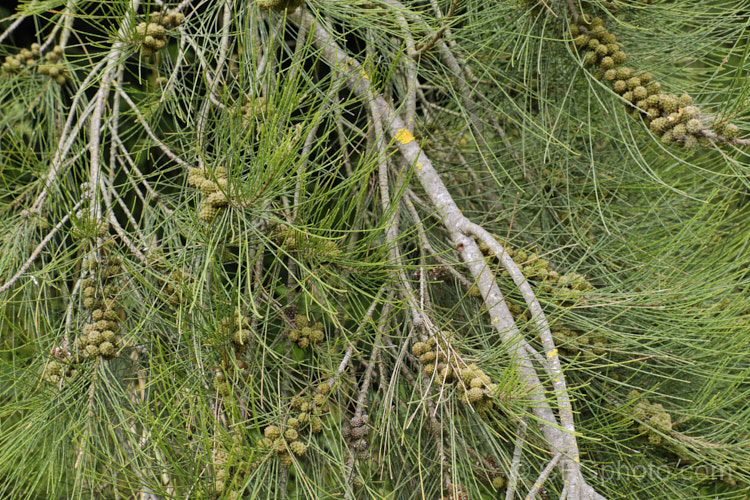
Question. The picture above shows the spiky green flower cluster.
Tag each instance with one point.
(433, 355)
(226, 468)
(305, 335)
(152, 35)
(238, 328)
(23, 59)
(99, 337)
(309, 409)
(87, 227)
(564, 287)
(649, 418)
(681, 125)
(304, 245)
(306, 413)
(285, 443)
(498, 481)
(477, 388)
(673, 118)
(56, 370)
(597, 45)
(213, 190)
(729, 131)
(279, 5)
(53, 66)
(253, 108)
(588, 345)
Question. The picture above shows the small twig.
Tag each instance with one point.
(306, 148)
(69, 18)
(177, 66)
(543, 477)
(66, 141)
(39, 249)
(515, 464)
(112, 68)
(540, 320)
(150, 132)
(391, 231)
(69, 314)
(124, 207)
(128, 164)
(114, 126)
(710, 134)
(382, 325)
(428, 247)
(226, 23)
(367, 318)
(210, 83)
(573, 9)
(90, 413)
(15, 24)
(439, 33)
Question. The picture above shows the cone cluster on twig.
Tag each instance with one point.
(56, 370)
(153, 34)
(564, 287)
(304, 245)
(99, 337)
(53, 66)
(673, 118)
(434, 357)
(317, 404)
(227, 467)
(475, 386)
(239, 328)
(357, 431)
(284, 441)
(25, 58)
(306, 412)
(213, 190)
(588, 345)
(649, 418)
(305, 335)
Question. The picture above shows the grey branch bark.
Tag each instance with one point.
(561, 439)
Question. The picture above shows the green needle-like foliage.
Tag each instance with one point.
(374, 249)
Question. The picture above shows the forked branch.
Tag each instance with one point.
(561, 439)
